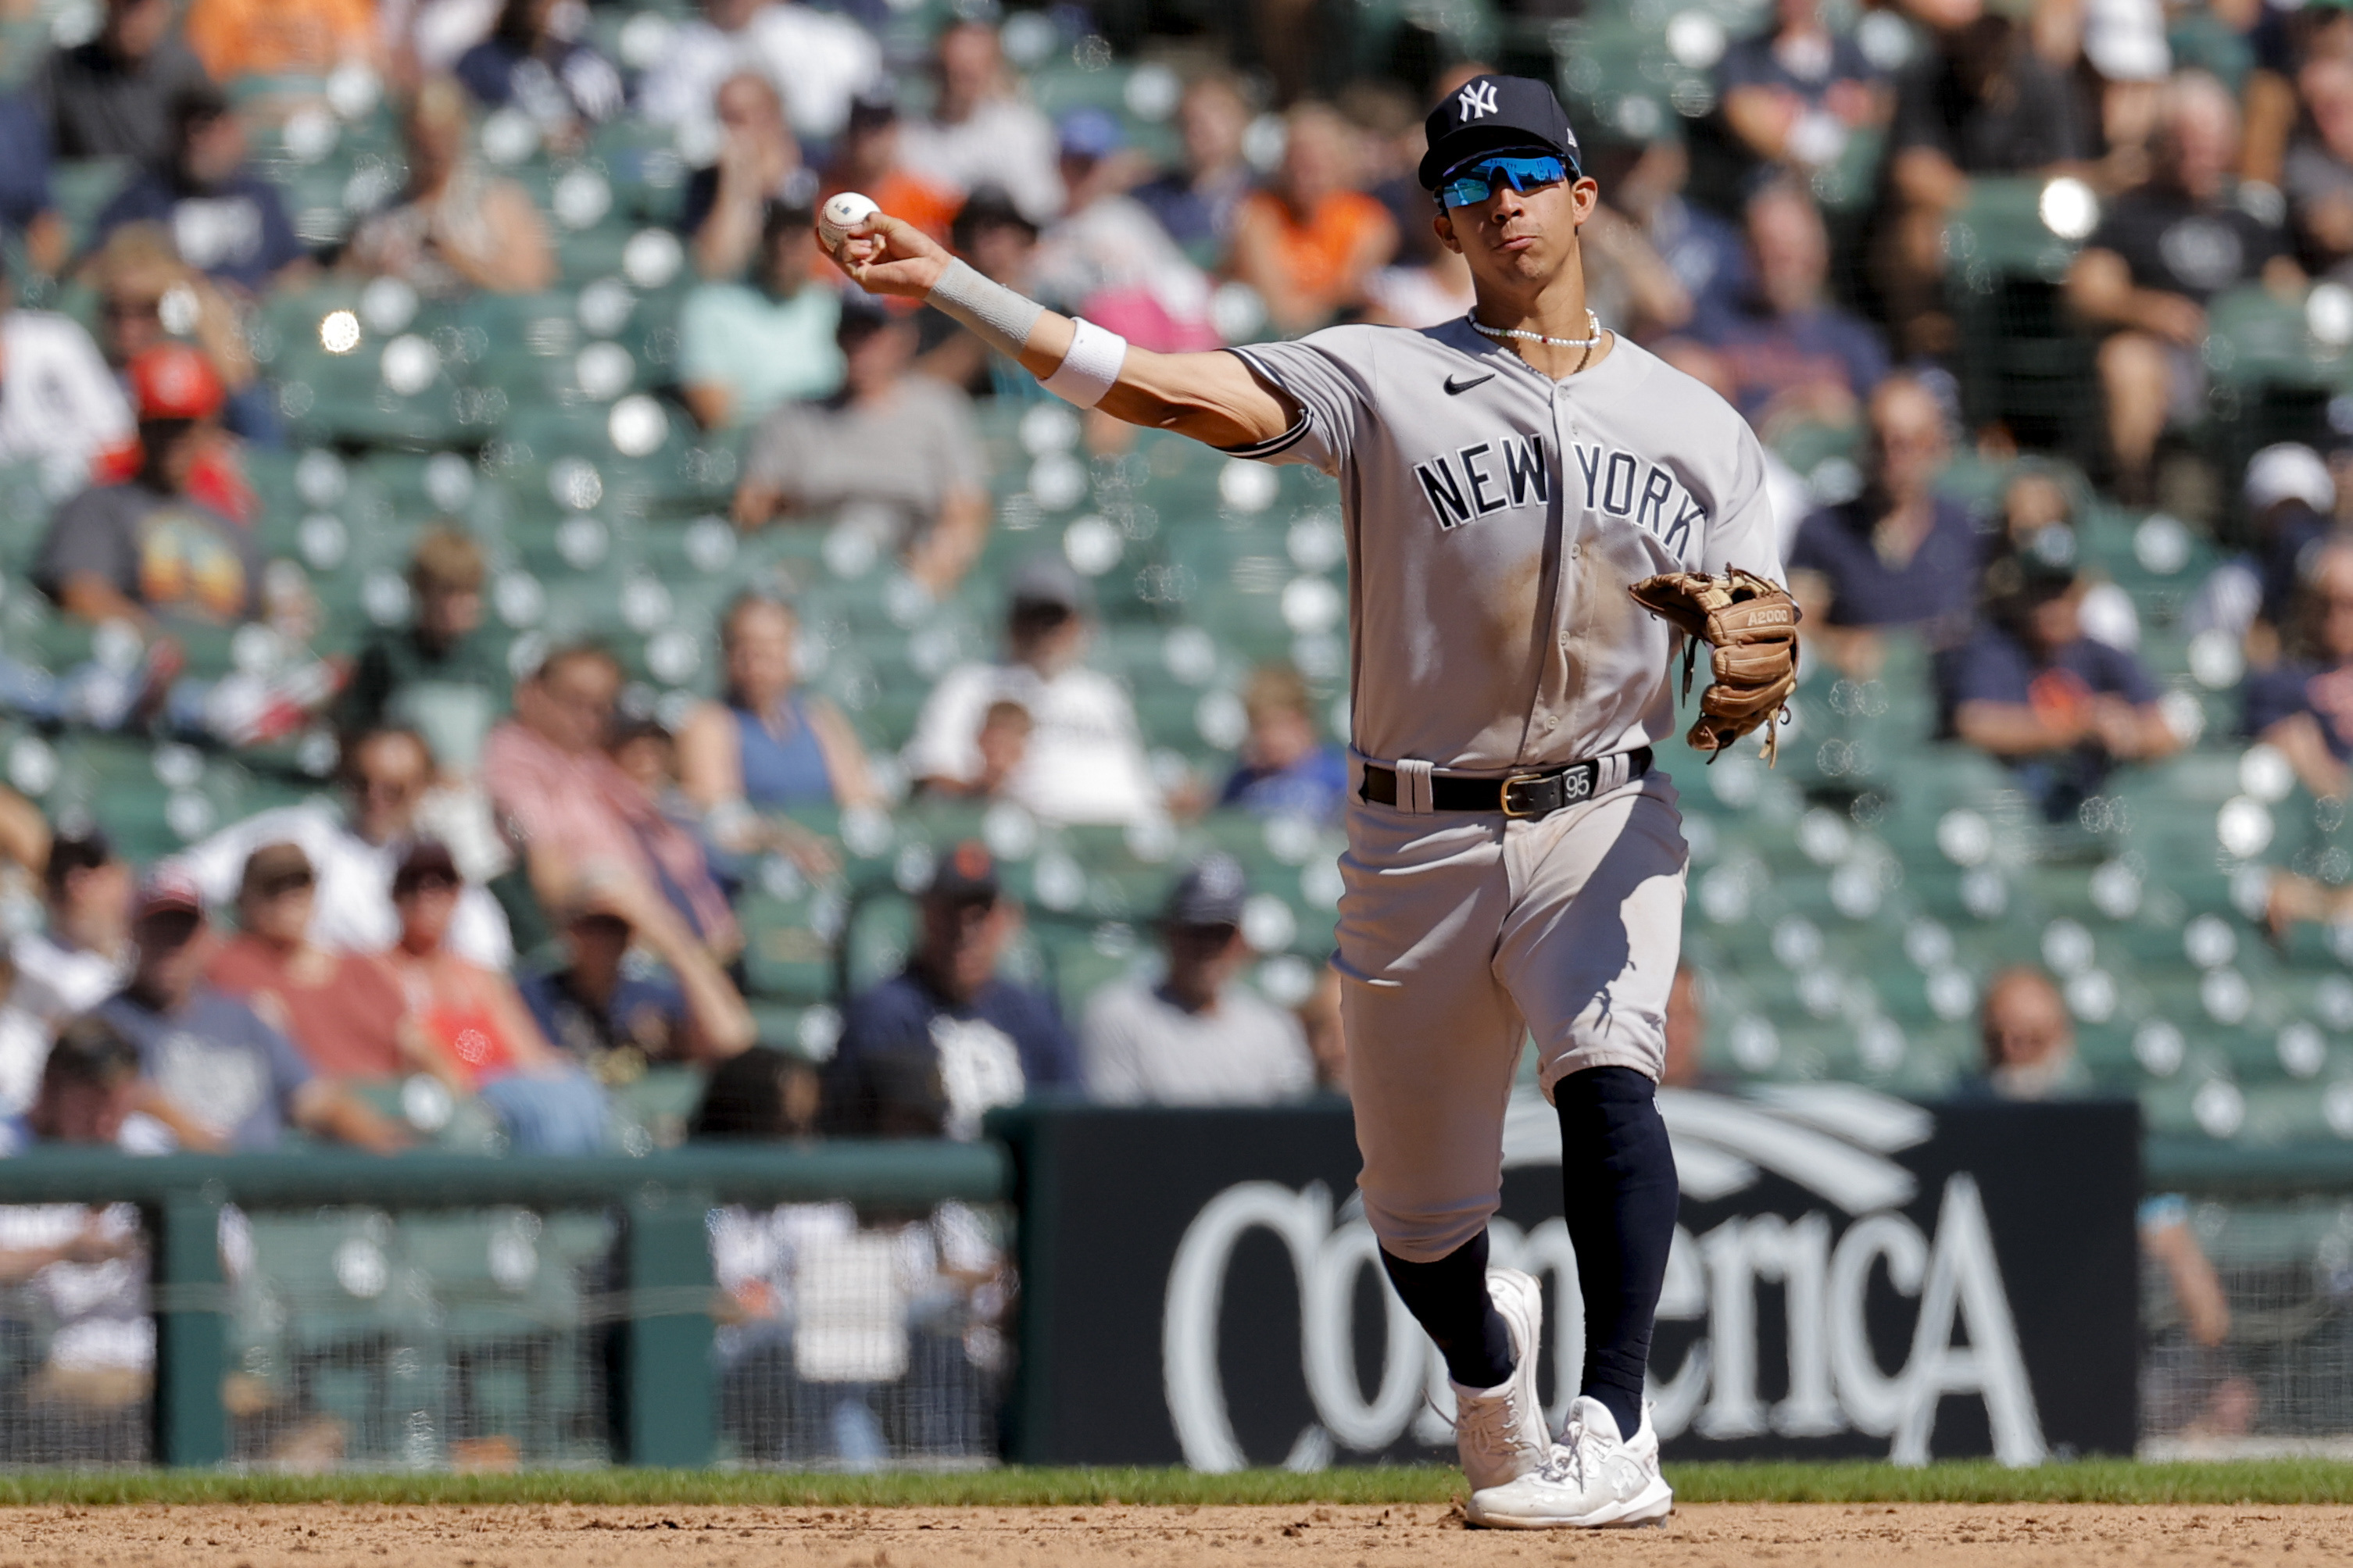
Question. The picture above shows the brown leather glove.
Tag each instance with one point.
(1752, 625)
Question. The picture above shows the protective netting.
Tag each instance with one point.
(467, 1340)
(851, 1339)
(842, 1339)
(483, 1339)
(76, 1344)
(2278, 1366)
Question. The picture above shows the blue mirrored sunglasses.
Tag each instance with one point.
(1471, 184)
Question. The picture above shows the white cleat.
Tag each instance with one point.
(1500, 1432)
(1596, 1480)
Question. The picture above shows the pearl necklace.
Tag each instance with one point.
(1592, 325)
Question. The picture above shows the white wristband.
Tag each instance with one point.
(1088, 371)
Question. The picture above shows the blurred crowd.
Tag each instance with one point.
(526, 895)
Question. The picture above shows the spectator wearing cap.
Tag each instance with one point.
(578, 818)
(532, 63)
(342, 1012)
(1288, 767)
(2119, 83)
(1310, 242)
(353, 849)
(221, 1078)
(1899, 555)
(473, 1021)
(2038, 512)
(1084, 761)
(745, 349)
(1196, 201)
(1784, 354)
(147, 550)
(2290, 502)
(2161, 253)
(1979, 100)
(929, 1051)
(871, 158)
(2031, 689)
(111, 97)
(453, 228)
(60, 405)
(1107, 257)
(615, 1023)
(981, 131)
(224, 221)
(438, 674)
(731, 201)
(1196, 1037)
(894, 456)
(816, 61)
(993, 237)
(2303, 703)
(83, 952)
(767, 744)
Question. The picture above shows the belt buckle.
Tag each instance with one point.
(1504, 796)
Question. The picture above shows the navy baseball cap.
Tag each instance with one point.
(965, 874)
(1495, 114)
(1209, 894)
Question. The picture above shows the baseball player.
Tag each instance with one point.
(1516, 864)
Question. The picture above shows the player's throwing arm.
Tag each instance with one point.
(1211, 397)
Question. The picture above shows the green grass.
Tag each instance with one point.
(2266, 1481)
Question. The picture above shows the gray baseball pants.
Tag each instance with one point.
(1460, 934)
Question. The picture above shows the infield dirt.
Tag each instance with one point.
(1714, 1535)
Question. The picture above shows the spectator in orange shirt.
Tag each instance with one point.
(279, 37)
(867, 159)
(1309, 242)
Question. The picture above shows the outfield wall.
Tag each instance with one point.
(1854, 1277)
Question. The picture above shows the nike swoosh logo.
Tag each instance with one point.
(1456, 386)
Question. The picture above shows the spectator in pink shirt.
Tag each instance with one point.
(579, 818)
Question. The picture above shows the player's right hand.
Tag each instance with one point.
(885, 254)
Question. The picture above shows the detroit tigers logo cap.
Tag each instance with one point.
(1490, 113)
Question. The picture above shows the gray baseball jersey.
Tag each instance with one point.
(1495, 519)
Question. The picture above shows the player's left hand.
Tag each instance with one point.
(1752, 623)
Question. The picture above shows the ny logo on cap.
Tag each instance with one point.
(1477, 101)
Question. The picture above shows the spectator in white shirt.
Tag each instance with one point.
(980, 131)
(1084, 761)
(59, 405)
(818, 61)
(1196, 1037)
(355, 852)
(84, 954)
(48, 977)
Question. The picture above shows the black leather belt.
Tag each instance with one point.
(1536, 793)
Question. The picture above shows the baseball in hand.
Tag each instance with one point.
(839, 215)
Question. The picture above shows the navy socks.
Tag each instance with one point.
(1449, 1298)
(1619, 1197)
